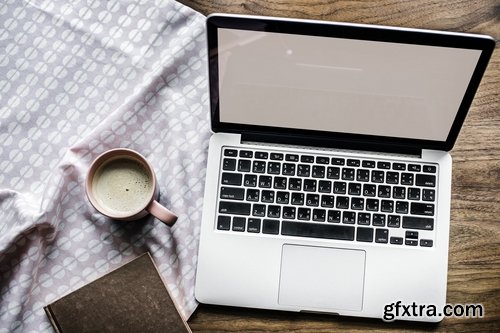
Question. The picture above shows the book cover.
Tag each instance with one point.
(131, 298)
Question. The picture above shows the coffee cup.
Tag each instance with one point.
(121, 184)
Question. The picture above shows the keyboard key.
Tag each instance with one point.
(384, 165)
(231, 178)
(297, 198)
(322, 160)
(234, 207)
(333, 216)
(398, 192)
(312, 200)
(411, 242)
(233, 193)
(259, 166)
(250, 180)
(327, 201)
(288, 169)
(282, 197)
(267, 196)
(381, 236)
(387, 206)
(422, 209)
(368, 164)
(398, 166)
(419, 223)
(289, 213)
(270, 227)
(280, 183)
(244, 165)
(384, 191)
(429, 169)
(318, 171)
(259, 210)
(246, 153)
(354, 163)
(304, 214)
(307, 159)
(372, 205)
(261, 155)
(274, 168)
(253, 225)
(276, 156)
(414, 193)
(273, 211)
(239, 223)
(411, 234)
(357, 203)
(292, 157)
(265, 181)
(229, 164)
(319, 215)
(338, 161)
(342, 202)
(377, 176)
(364, 234)
(426, 180)
(378, 220)
(223, 222)
(333, 173)
(393, 221)
(406, 178)
(401, 207)
(347, 174)
(348, 217)
(307, 229)
(414, 167)
(309, 185)
(303, 170)
(339, 187)
(397, 240)
(364, 218)
(325, 186)
(392, 177)
(252, 195)
(426, 242)
(295, 184)
(230, 152)
(428, 195)
(354, 189)
(363, 175)
(369, 190)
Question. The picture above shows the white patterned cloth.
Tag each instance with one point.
(77, 78)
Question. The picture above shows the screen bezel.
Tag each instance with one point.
(352, 31)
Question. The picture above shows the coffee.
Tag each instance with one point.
(122, 185)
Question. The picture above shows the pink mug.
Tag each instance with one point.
(121, 184)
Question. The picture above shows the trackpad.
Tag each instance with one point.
(322, 277)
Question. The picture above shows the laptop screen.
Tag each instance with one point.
(335, 84)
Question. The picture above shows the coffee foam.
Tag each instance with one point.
(122, 185)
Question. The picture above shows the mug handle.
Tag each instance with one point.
(161, 213)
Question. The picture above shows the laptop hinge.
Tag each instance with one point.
(331, 143)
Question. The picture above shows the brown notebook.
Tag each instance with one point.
(132, 298)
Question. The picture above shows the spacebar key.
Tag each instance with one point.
(317, 230)
(237, 208)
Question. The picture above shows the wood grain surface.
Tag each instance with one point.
(474, 260)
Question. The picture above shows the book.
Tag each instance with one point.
(131, 298)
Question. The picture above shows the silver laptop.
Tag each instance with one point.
(328, 179)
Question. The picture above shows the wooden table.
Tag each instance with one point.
(474, 260)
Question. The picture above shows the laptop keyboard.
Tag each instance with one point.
(331, 197)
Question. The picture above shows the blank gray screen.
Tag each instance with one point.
(341, 85)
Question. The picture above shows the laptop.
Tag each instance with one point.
(329, 175)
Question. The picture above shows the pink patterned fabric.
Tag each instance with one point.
(78, 78)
